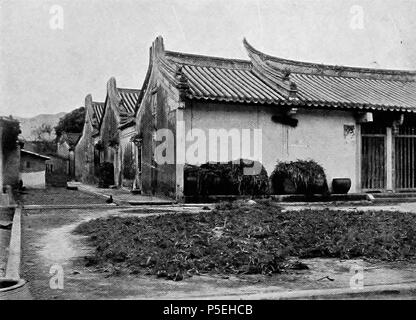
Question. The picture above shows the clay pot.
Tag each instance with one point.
(341, 185)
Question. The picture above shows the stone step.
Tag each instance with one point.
(390, 195)
(394, 200)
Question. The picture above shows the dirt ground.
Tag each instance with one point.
(48, 241)
(57, 196)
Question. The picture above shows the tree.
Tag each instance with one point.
(43, 139)
(43, 132)
(11, 131)
(71, 122)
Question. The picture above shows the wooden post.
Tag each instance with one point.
(358, 164)
(180, 151)
(389, 159)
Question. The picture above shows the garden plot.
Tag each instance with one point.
(244, 239)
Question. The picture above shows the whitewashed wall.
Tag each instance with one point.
(33, 179)
(319, 135)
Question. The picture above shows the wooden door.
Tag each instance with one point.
(404, 158)
(373, 157)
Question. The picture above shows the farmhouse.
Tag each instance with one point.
(57, 166)
(116, 131)
(358, 123)
(33, 169)
(87, 157)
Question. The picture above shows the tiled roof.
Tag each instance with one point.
(369, 93)
(350, 87)
(129, 98)
(98, 112)
(222, 79)
(71, 138)
(34, 154)
(270, 80)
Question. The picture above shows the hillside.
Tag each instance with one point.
(27, 125)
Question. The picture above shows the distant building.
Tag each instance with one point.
(57, 167)
(66, 149)
(57, 170)
(117, 131)
(87, 157)
(33, 169)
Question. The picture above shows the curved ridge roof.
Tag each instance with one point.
(345, 86)
(266, 79)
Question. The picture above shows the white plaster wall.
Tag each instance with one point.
(318, 136)
(33, 179)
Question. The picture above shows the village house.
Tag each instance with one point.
(87, 156)
(57, 170)
(116, 132)
(66, 149)
(33, 169)
(57, 166)
(358, 123)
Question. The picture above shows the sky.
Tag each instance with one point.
(53, 53)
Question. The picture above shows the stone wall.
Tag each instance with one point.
(109, 135)
(84, 156)
(157, 112)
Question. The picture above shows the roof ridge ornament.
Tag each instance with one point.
(293, 91)
(182, 82)
(251, 50)
(286, 74)
(315, 68)
(158, 47)
(280, 78)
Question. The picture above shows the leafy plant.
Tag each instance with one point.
(241, 177)
(71, 122)
(241, 238)
(301, 177)
(11, 130)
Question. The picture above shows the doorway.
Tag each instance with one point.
(373, 157)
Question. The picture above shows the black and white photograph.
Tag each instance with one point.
(220, 152)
